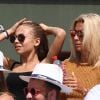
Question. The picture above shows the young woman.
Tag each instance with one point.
(30, 42)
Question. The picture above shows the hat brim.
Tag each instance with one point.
(64, 88)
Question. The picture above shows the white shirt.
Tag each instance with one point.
(94, 93)
(1, 58)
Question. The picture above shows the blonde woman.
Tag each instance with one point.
(83, 67)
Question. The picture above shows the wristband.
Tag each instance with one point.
(6, 34)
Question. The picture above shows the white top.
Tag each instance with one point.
(93, 94)
(1, 58)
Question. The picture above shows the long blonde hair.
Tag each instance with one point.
(91, 39)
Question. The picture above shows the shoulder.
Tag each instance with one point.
(10, 64)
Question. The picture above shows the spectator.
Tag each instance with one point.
(30, 42)
(44, 84)
(83, 66)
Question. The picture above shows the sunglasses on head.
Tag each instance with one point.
(20, 38)
(32, 91)
(73, 33)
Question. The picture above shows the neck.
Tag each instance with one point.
(82, 57)
(29, 58)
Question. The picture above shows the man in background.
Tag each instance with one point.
(45, 83)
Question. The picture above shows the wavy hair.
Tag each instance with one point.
(91, 39)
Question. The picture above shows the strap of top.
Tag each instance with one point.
(13, 65)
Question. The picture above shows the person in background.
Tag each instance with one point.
(30, 42)
(6, 96)
(44, 84)
(82, 69)
(94, 93)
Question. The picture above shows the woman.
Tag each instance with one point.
(82, 71)
(30, 42)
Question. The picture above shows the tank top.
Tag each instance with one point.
(16, 85)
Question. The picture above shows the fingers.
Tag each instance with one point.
(71, 80)
(27, 21)
(21, 21)
(14, 27)
(44, 27)
(63, 66)
(73, 86)
(74, 76)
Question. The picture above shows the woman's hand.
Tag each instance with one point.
(45, 28)
(58, 41)
(14, 27)
(71, 81)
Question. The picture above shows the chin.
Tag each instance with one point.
(78, 49)
(18, 51)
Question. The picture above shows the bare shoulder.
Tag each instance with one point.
(8, 62)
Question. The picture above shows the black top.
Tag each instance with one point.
(16, 85)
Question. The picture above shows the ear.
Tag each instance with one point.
(36, 41)
(52, 95)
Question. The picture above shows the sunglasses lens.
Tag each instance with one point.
(21, 38)
(12, 39)
(32, 91)
(72, 33)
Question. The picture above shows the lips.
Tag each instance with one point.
(17, 47)
(77, 44)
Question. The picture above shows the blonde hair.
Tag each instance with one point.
(91, 39)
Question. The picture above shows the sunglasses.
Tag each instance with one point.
(73, 33)
(20, 38)
(32, 91)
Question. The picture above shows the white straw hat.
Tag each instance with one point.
(49, 72)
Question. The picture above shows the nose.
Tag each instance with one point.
(16, 39)
(29, 96)
(76, 37)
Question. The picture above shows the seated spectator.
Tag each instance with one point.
(45, 83)
(83, 65)
(30, 41)
(94, 93)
